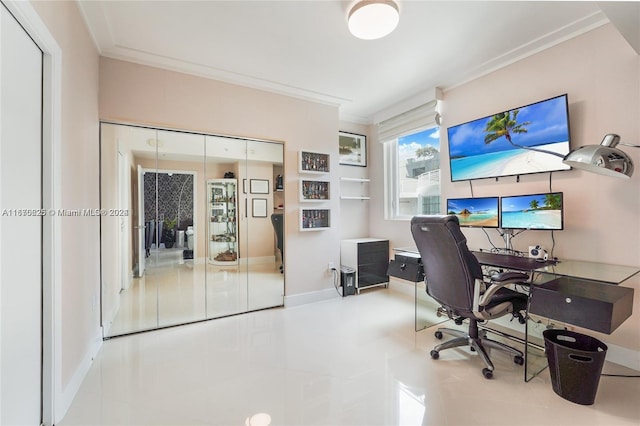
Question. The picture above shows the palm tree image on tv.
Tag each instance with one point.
(528, 139)
(505, 124)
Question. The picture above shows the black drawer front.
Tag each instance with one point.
(408, 258)
(596, 306)
(406, 271)
(373, 252)
(371, 274)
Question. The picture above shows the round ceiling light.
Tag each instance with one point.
(371, 19)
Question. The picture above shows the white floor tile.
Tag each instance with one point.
(347, 361)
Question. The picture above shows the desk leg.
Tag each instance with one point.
(415, 308)
(535, 359)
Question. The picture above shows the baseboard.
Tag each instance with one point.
(310, 297)
(65, 396)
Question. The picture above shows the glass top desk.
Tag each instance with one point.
(581, 274)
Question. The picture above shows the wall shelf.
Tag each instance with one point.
(353, 193)
(361, 180)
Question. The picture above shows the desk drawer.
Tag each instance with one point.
(589, 304)
(406, 270)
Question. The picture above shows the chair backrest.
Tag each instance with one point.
(277, 220)
(450, 268)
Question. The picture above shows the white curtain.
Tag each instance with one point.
(418, 118)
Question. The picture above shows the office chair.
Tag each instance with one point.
(277, 220)
(454, 278)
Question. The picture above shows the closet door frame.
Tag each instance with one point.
(55, 401)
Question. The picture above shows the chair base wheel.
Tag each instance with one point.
(438, 335)
(518, 360)
(488, 374)
(434, 354)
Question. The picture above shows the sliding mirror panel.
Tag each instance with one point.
(226, 281)
(193, 229)
(177, 267)
(152, 177)
(264, 225)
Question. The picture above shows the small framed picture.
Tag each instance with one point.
(244, 186)
(259, 186)
(353, 149)
(259, 207)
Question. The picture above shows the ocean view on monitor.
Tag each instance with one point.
(539, 211)
(542, 219)
(480, 212)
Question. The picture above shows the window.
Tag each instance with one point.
(412, 174)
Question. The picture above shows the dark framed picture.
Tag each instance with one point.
(259, 207)
(259, 186)
(353, 149)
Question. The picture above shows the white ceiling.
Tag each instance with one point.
(303, 48)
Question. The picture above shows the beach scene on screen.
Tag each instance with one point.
(481, 148)
(481, 212)
(541, 211)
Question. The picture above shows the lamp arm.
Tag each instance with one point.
(628, 144)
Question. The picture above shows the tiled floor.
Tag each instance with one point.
(176, 291)
(347, 361)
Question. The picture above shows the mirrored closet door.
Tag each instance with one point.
(192, 228)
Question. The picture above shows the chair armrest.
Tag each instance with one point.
(500, 277)
(498, 281)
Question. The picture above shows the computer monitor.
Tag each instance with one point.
(533, 211)
(479, 212)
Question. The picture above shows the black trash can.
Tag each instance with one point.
(575, 363)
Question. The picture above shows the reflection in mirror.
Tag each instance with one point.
(188, 245)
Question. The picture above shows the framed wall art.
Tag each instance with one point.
(258, 186)
(353, 149)
(259, 207)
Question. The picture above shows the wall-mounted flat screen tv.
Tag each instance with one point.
(480, 212)
(510, 143)
(535, 212)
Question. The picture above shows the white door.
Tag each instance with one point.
(20, 225)
(142, 253)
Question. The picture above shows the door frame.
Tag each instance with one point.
(195, 199)
(54, 403)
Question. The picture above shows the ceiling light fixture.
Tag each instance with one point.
(372, 19)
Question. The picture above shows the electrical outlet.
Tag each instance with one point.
(330, 266)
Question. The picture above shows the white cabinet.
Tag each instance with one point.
(223, 224)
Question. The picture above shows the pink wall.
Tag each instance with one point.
(600, 73)
(146, 95)
(80, 239)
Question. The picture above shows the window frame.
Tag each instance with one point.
(392, 178)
